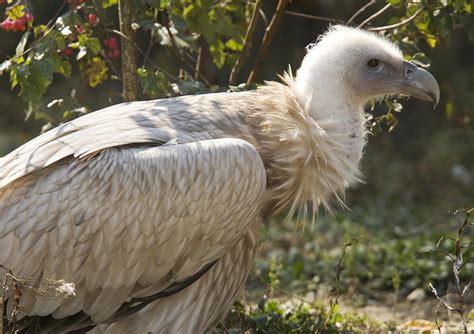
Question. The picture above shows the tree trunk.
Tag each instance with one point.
(129, 55)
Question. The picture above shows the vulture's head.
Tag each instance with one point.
(348, 67)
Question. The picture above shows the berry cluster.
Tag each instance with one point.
(18, 24)
(112, 46)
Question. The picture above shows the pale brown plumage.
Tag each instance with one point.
(152, 209)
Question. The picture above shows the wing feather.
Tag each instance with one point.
(186, 118)
(129, 220)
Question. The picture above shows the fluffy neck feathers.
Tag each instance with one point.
(312, 155)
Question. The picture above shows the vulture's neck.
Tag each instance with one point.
(312, 146)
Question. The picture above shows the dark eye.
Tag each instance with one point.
(373, 63)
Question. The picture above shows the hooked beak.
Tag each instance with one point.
(419, 83)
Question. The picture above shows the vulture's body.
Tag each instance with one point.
(152, 209)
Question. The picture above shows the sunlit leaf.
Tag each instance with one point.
(20, 48)
(108, 3)
(94, 71)
(449, 109)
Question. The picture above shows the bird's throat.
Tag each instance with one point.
(312, 157)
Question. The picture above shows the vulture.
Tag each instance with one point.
(144, 217)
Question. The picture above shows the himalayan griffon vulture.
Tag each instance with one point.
(152, 209)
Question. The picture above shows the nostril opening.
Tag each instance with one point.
(408, 72)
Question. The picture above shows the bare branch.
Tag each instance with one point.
(433, 290)
(264, 17)
(234, 74)
(360, 11)
(314, 17)
(375, 15)
(399, 24)
(197, 68)
(267, 39)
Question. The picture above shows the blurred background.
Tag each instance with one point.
(416, 175)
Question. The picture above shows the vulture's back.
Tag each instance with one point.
(132, 203)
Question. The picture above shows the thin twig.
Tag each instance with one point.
(362, 9)
(172, 40)
(150, 43)
(457, 262)
(51, 22)
(339, 269)
(375, 15)
(197, 68)
(264, 17)
(234, 74)
(267, 39)
(181, 59)
(315, 17)
(143, 54)
(399, 24)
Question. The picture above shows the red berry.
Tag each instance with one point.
(7, 25)
(29, 17)
(19, 24)
(111, 43)
(67, 52)
(92, 18)
(80, 29)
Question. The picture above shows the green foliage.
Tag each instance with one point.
(73, 45)
(184, 27)
(376, 263)
(277, 316)
(222, 25)
(154, 84)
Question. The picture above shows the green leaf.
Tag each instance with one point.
(395, 3)
(431, 40)
(5, 66)
(422, 21)
(108, 3)
(20, 48)
(61, 65)
(92, 44)
(154, 84)
(421, 59)
(15, 12)
(94, 71)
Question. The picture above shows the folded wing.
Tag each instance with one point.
(128, 222)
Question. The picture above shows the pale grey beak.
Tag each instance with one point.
(419, 83)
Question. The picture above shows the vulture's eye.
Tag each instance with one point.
(373, 63)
